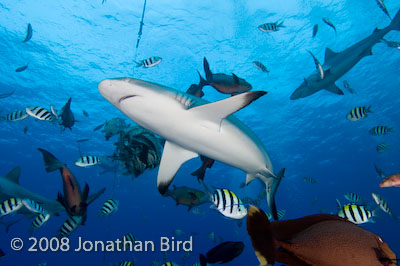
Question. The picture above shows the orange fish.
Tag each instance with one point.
(391, 181)
(316, 240)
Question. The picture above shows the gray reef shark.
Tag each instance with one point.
(10, 188)
(193, 126)
(337, 64)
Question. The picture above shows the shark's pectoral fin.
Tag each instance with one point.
(329, 54)
(172, 159)
(213, 113)
(335, 89)
(13, 175)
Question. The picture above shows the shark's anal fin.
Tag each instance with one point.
(172, 159)
(214, 113)
(13, 175)
(335, 89)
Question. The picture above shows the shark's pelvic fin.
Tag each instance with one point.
(335, 89)
(214, 113)
(172, 158)
(329, 54)
(13, 175)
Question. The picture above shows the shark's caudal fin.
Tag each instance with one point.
(52, 163)
(14, 174)
(207, 70)
(260, 232)
(395, 25)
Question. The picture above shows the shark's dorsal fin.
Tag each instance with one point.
(13, 175)
(335, 89)
(329, 54)
(213, 113)
(172, 158)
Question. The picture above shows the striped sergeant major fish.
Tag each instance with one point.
(149, 62)
(346, 85)
(70, 225)
(318, 66)
(329, 23)
(352, 197)
(281, 214)
(260, 66)
(33, 206)
(228, 204)
(382, 147)
(15, 116)
(126, 263)
(10, 206)
(40, 113)
(380, 130)
(88, 160)
(170, 264)
(382, 6)
(109, 207)
(358, 113)
(310, 180)
(39, 221)
(126, 242)
(379, 171)
(271, 27)
(382, 204)
(354, 213)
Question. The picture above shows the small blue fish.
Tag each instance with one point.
(28, 33)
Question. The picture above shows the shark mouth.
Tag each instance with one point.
(126, 97)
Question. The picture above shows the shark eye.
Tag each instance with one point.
(126, 97)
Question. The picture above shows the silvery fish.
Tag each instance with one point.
(149, 62)
(39, 113)
(260, 66)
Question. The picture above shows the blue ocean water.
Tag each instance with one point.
(76, 44)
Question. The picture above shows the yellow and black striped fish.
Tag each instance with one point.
(382, 147)
(228, 204)
(70, 225)
(126, 263)
(383, 204)
(109, 207)
(39, 221)
(271, 27)
(352, 197)
(15, 116)
(380, 130)
(40, 113)
(10, 206)
(358, 113)
(354, 213)
(88, 160)
(170, 264)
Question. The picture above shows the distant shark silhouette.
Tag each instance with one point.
(337, 64)
(10, 188)
(193, 126)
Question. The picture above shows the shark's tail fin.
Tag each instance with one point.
(261, 235)
(395, 25)
(52, 163)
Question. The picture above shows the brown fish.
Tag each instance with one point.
(187, 196)
(227, 84)
(316, 240)
(73, 199)
(391, 181)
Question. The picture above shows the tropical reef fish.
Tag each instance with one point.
(10, 206)
(126, 263)
(73, 199)
(33, 206)
(197, 89)
(15, 116)
(127, 241)
(228, 84)
(187, 196)
(318, 240)
(39, 221)
(206, 163)
(66, 116)
(260, 66)
(382, 147)
(382, 204)
(380, 130)
(170, 264)
(70, 225)
(10, 187)
(228, 204)
(149, 62)
(7, 94)
(347, 87)
(391, 181)
(354, 213)
(352, 197)
(39, 113)
(392, 44)
(329, 23)
(358, 113)
(196, 127)
(88, 160)
(382, 6)
(22, 68)
(318, 66)
(337, 64)
(379, 171)
(223, 253)
(85, 113)
(28, 33)
(271, 27)
(310, 180)
(109, 207)
(315, 30)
